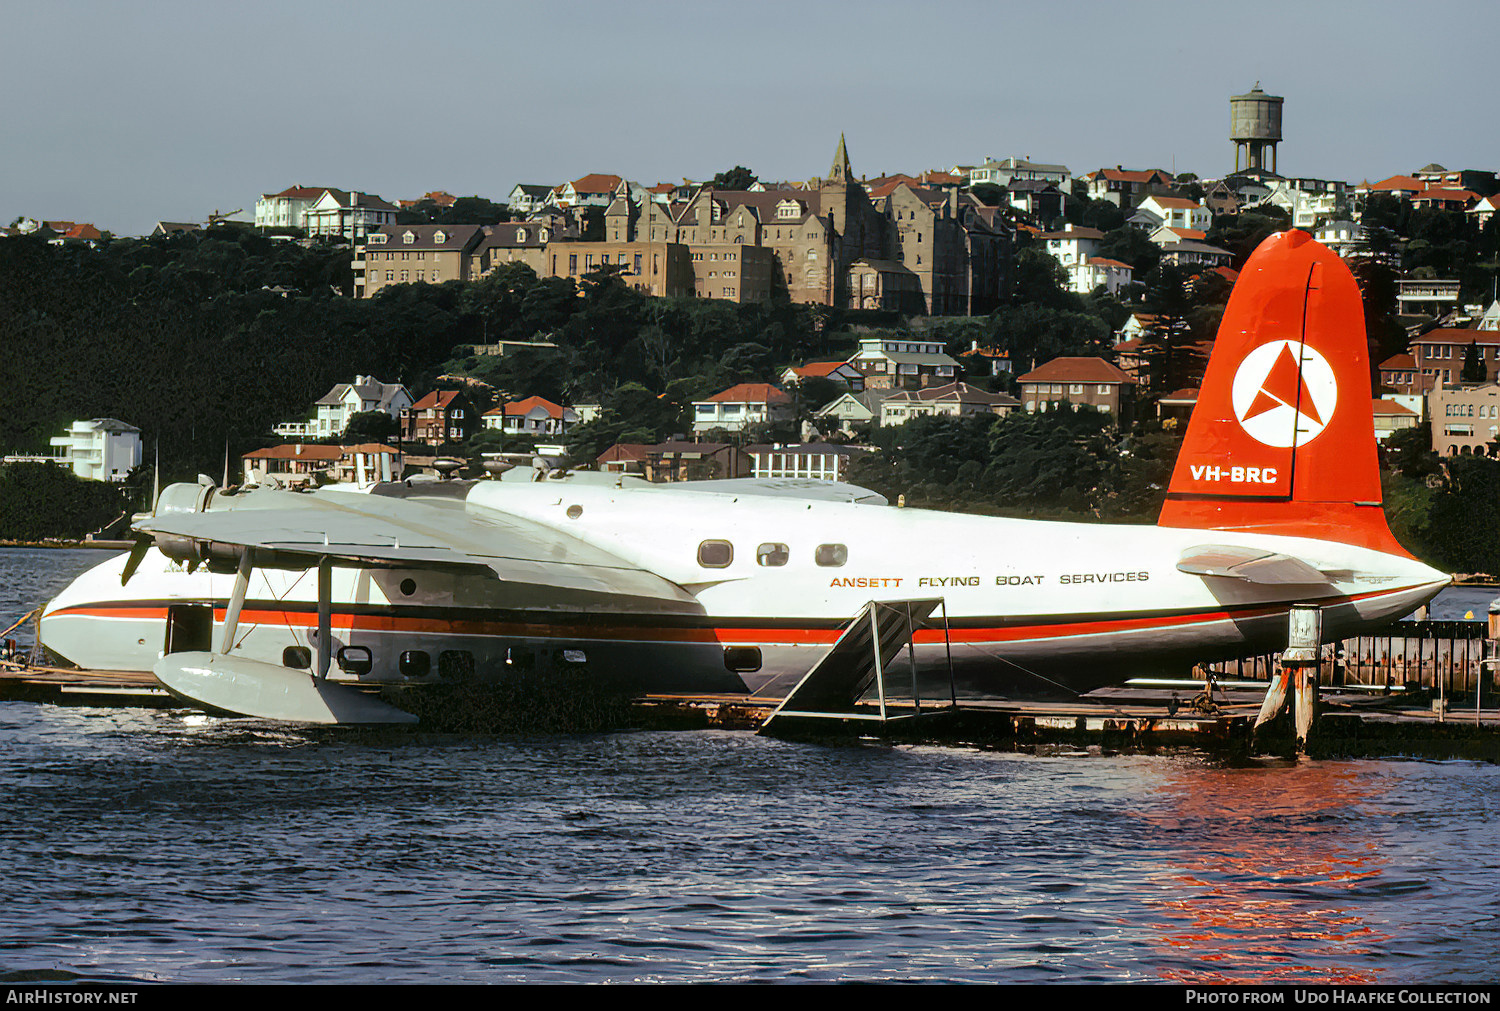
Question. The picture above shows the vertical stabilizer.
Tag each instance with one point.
(1283, 436)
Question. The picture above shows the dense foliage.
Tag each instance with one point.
(41, 500)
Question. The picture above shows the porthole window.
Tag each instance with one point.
(575, 511)
(772, 554)
(831, 555)
(408, 587)
(715, 554)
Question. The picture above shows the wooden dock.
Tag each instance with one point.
(1159, 715)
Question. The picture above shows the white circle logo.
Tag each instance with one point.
(1284, 394)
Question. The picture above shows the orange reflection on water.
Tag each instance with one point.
(1261, 868)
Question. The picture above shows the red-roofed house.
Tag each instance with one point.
(1178, 404)
(1440, 354)
(839, 371)
(1125, 188)
(1392, 417)
(1405, 187)
(1400, 373)
(1091, 381)
(531, 416)
(1177, 212)
(595, 189)
(441, 416)
(741, 406)
(954, 400)
(1445, 199)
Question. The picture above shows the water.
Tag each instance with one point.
(162, 845)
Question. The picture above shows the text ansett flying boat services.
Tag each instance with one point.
(241, 600)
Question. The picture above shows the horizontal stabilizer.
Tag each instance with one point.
(1249, 564)
(235, 684)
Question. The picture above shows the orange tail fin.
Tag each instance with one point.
(1283, 436)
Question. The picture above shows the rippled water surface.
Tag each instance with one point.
(162, 845)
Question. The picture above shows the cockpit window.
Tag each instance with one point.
(831, 555)
(772, 554)
(715, 554)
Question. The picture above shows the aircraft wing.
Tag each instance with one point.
(788, 487)
(294, 530)
(1252, 565)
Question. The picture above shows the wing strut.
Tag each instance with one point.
(325, 615)
(229, 682)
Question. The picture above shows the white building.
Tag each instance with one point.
(1177, 212)
(741, 406)
(344, 401)
(287, 209)
(101, 450)
(348, 213)
(1099, 270)
(531, 416)
(1073, 244)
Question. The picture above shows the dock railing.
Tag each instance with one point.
(1445, 656)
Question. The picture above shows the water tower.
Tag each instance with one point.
(1254, 126)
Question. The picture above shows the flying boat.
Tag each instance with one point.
(279, 602)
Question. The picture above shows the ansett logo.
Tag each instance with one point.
(1284, 394)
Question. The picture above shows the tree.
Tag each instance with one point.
(1171, 350)
(371, 426)
(737, 178)
(1473, 370)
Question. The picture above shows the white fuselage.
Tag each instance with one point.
(1078, 603)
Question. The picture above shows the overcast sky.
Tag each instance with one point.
(123, 114)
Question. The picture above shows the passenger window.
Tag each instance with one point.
(715, 554)
(772, 554)
(831, 555)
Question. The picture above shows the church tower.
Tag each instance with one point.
(841, 172)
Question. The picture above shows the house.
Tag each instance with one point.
(952, 400)
(1188, 253)
(694, 461)
(817, 461)
(1444, 199)
(405, 254)
(1176, 212)
(1401, 374)
(623, 458)
(593, 190)
(1465, 419)
(1485, 209)
(347, 213)
(344, 401)
(853, 409)
(1073, 245)
(1178, 404)
(1346, 238)
(287, 209)
(531, 416)
(1440, 354)
(439, 417)
(1166, 233)
(906, 362)
(741, 406)
(1100, 271)
(101, 449)
(980, 361)
(85, 233)
(1136, 326)
(1490, 318)
(1404, 187)
(1426, 296)
(174, 228)
(345, 464)
(1091, 382)
(1125, 188)
(838, 371)
(1391, 416)
(512, 241)
(527, 197)
(1004, 173)
(1042, 201)
(438, 198)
